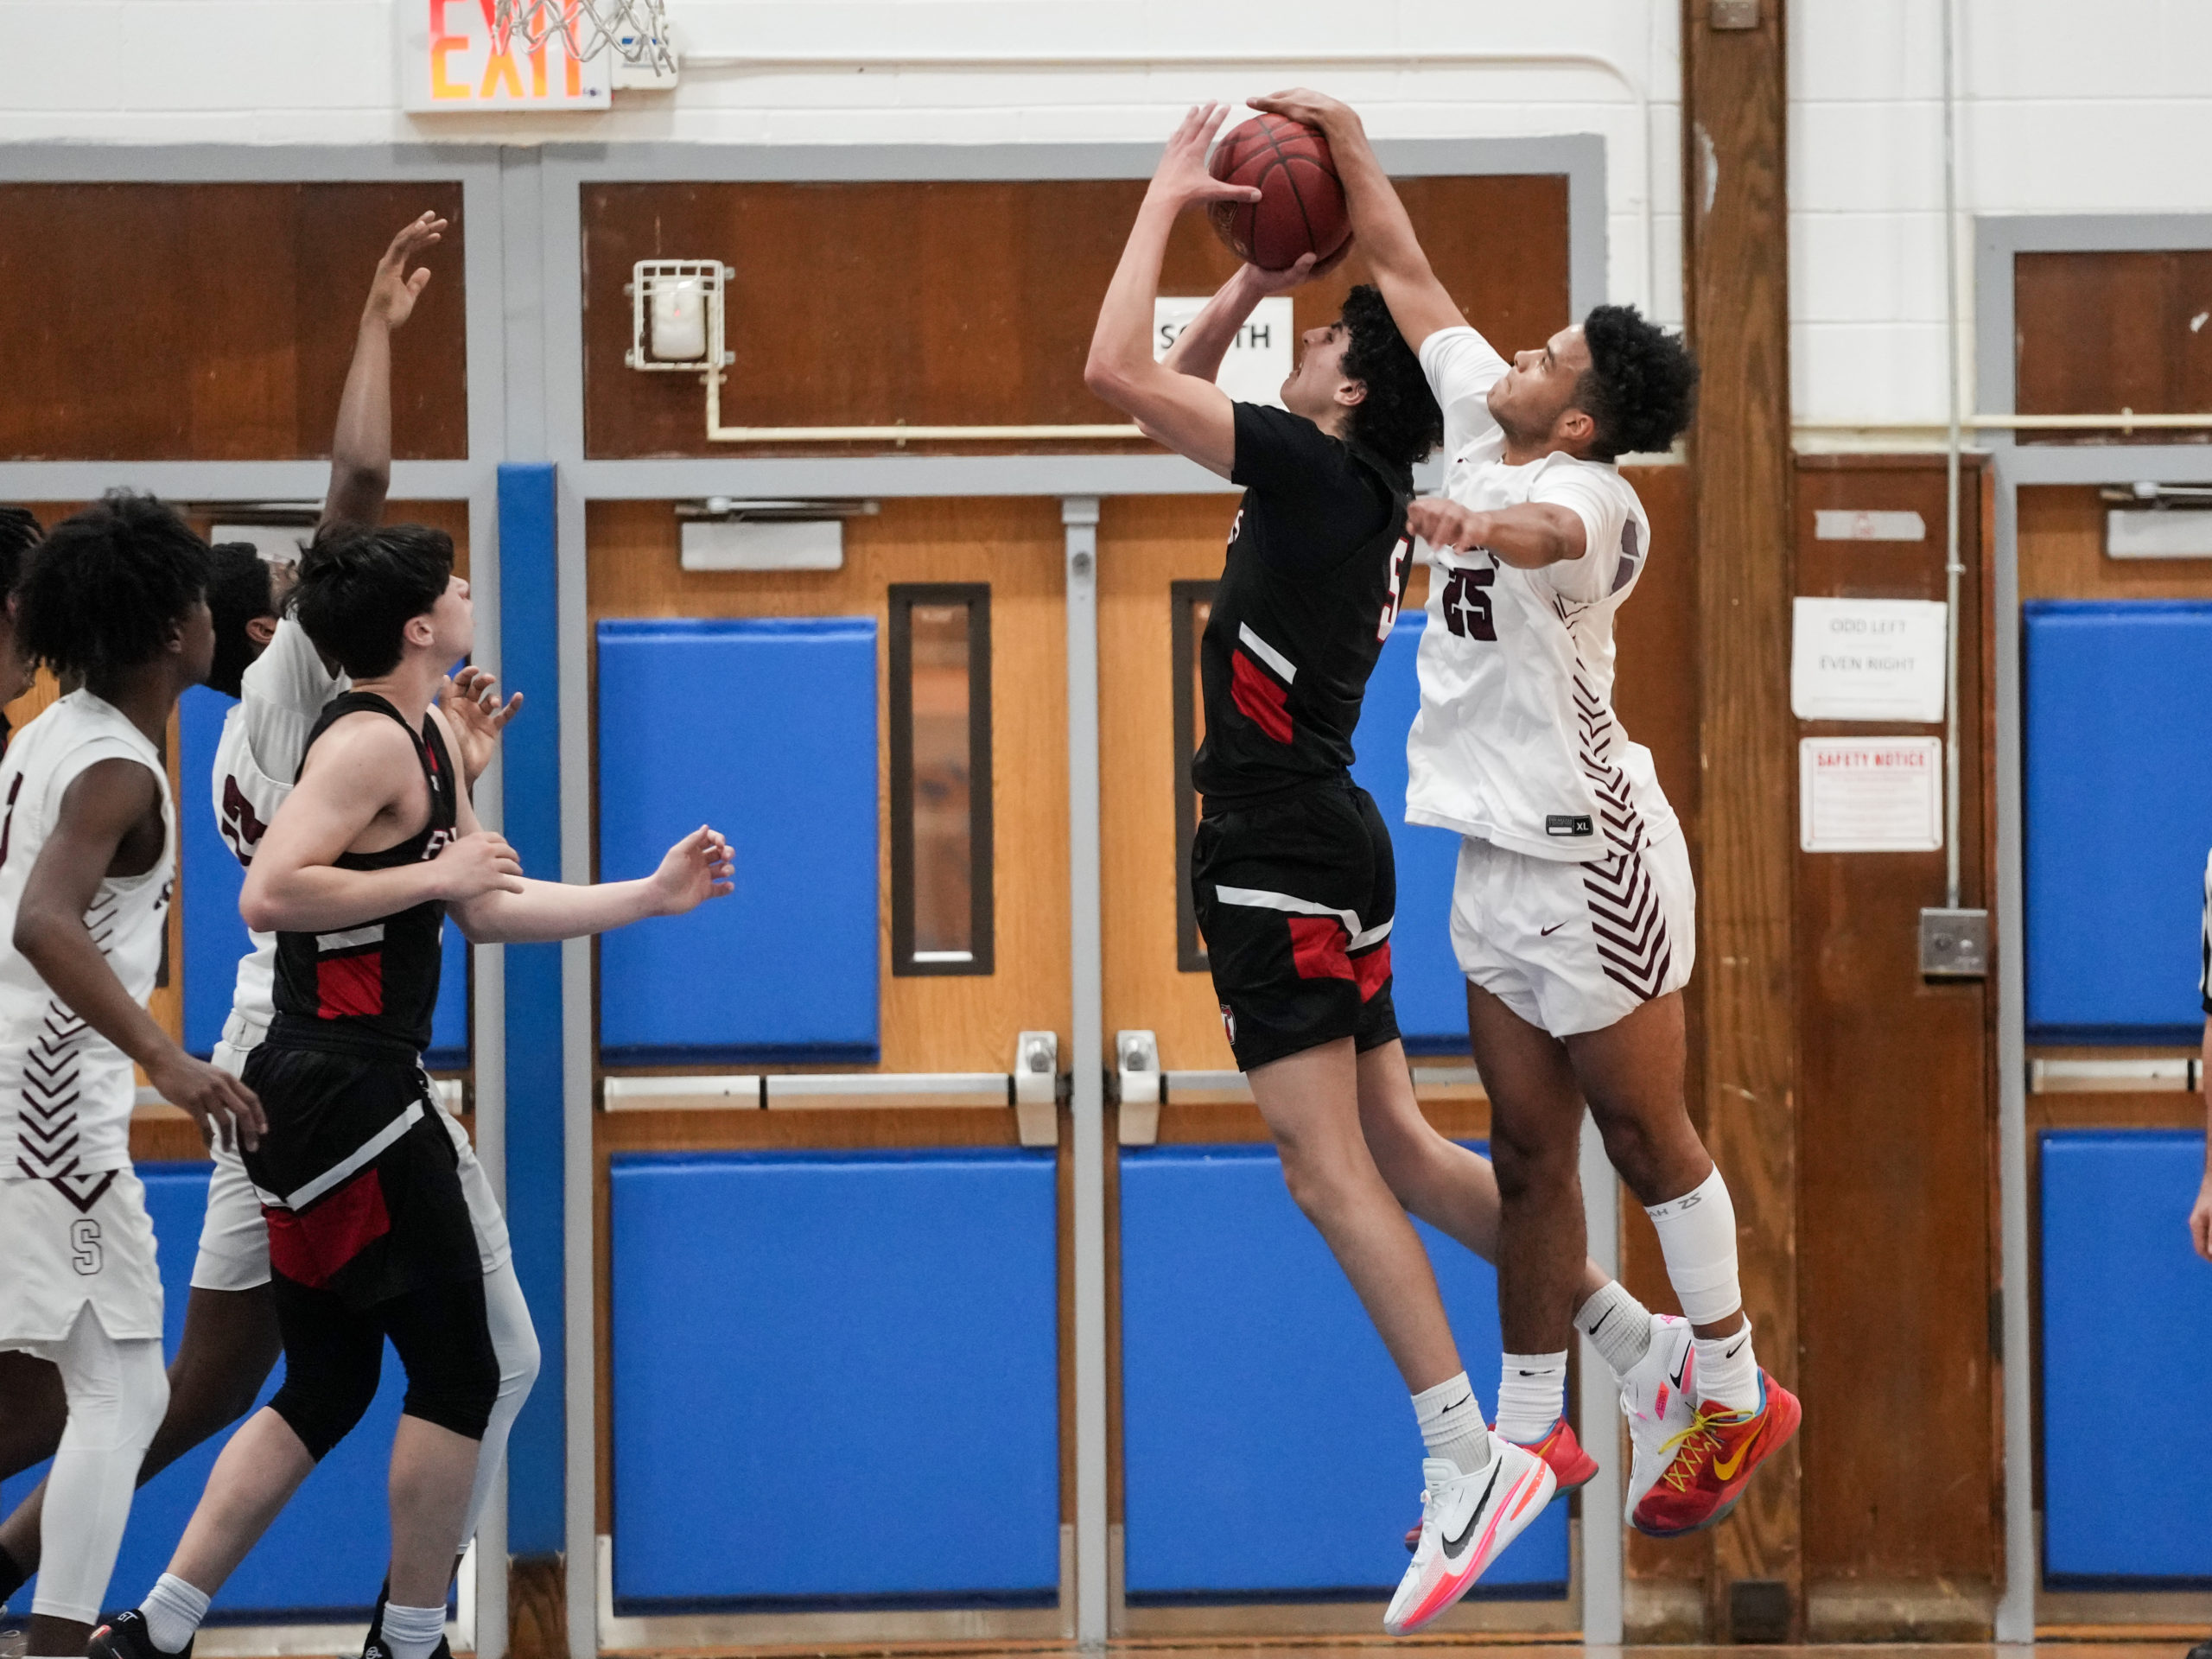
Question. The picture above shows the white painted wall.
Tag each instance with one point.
(2065, 107)
(2069, 108)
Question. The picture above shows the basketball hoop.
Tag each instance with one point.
(634, 32)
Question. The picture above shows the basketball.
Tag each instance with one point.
(1301, 205)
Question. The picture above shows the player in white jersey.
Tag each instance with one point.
(1573, 907)
(115, 600)
(265, 658)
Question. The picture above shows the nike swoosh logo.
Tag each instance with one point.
(1681, 1368)
(1726, 1468)
(1546, 932)
(1456, 1548)
(1462, 1401)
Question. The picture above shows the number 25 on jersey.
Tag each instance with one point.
(1466, 602)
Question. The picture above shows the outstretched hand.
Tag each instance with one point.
(472, 705)
(1181, 178)
(1303, 103)
(697, 869)
(393, 291)
(1263, 282)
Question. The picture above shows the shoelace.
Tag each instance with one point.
(1702, 1424)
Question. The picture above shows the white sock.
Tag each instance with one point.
(412, 1632)
(1727, 1370)
(1697, 1235)
(1531, 1395)
(172, 1610)
(1451, 1426)
(1618, 1325)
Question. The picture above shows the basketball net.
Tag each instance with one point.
(635, 31)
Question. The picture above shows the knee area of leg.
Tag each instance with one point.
(459, 1396)
(322, 1415)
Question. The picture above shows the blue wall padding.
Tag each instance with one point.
(766, 730)
(1429, 992)
(214, 937)
(2126, 1339)
(2119, 815)
(800, 1340)
(327, 1552)
(1236, 1323)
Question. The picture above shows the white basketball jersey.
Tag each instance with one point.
(256, 762)
(66, 1092)
(1516, 742)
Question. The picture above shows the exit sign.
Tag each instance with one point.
(452, 63)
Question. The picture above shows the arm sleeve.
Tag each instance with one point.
(1462, 366)
(1605, 503)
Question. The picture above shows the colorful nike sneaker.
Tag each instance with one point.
(1571, 1466)
(1713, 1459)
(1466, 1521)
(1659, 1398)
(124, 1636)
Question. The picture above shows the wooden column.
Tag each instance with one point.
(1737, 290)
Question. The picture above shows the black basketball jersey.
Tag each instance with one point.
(377, 981)
(1317, 560)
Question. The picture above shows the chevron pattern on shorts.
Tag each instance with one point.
(1625, 915)
(47, 1135)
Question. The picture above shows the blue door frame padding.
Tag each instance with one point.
(2117, 814)
(215, 937)
(2126, 1340)
(1253, 1386)
(815, 1346)
(325, 1556)
(1430, 994)
(767, 730)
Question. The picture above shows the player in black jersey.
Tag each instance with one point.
(370, 1234)
(1291, 875)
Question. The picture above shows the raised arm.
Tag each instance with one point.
(1530, 536)
(1205, 341)
(1191, 415)
(361, 450)
(99, 809)
(697, 869)
(351, 778)
(1418, 302)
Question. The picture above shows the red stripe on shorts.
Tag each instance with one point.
(1316, 946)
(307, 1247)
(1370, 968)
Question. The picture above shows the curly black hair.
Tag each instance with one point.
(1640, 387)
(359, 588)
(19, 533)
(1398, 419)
(238, 591)
(106, 589)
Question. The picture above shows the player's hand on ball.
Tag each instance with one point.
(1444, 524)
(2199, 1219)
(471, 702)
(224, 1108)
(1303, 103)
(1181, 177)
(476, 865)
(698, 867)
(393, 291)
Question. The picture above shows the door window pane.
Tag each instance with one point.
(940, 779)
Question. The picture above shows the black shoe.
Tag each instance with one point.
(373, 1645)
(124, 1636)
(2201, 1651)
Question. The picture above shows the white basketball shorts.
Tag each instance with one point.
(83, 1240)
(234, 1239)
(1575, 947)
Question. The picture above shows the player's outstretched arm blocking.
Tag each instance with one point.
(1419, 302)
(361, 450)
(1189, 415)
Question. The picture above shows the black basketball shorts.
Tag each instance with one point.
(1295, 897)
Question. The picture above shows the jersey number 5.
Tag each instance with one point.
(1467, 603)
(1399, 554)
